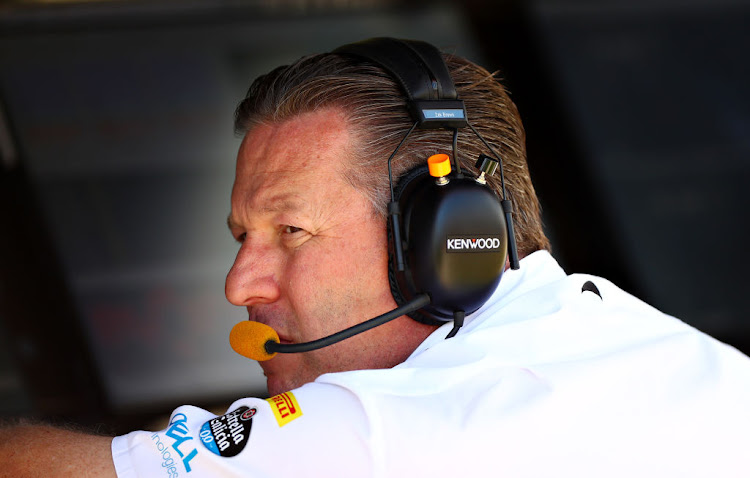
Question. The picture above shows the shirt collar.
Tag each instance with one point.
(536, 270)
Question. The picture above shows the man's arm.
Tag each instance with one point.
(37, 450)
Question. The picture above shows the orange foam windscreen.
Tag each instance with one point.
(249, 338)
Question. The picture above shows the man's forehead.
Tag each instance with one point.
(320, 128)
(291, 165)
(284, 202)
(300, 142)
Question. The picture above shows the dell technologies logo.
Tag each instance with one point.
(473, 244)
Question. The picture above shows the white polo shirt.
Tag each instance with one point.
(552, 377)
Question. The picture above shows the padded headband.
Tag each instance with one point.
(427, 78)
(423, 75)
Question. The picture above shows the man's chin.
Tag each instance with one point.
(278, 379)
(277, 385)
(286, 372)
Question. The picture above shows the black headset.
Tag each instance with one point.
(450, 233)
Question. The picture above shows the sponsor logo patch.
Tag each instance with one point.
(227, 435)
(176, 440)
(168, 462)
(473, 244)
(285, 408)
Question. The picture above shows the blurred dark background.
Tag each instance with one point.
(117, 153)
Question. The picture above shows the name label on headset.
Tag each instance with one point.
(473, 243)
(442, 114)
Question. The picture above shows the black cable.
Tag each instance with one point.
(458, 322)
(456, 163)
(497, 157)
(390, 171)
(506, 204)
(394, 211)
(416, 303)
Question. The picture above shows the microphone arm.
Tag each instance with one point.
(418, 302)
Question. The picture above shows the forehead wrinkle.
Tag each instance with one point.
(283, 203)
(279, 203)
(263, 190)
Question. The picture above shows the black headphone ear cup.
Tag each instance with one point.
(417, 315)
(454, 243)
(407, 180)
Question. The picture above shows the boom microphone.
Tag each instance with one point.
(260, 342)
(249, 338)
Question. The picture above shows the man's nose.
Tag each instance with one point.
(254, 276)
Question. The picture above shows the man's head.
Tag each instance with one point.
(376, 109)
(308, 204)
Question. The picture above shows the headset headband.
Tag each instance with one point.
(419, 69)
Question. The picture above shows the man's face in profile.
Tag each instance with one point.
(313, 253)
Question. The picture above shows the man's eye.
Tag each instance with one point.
(291, 229)
(241, 237)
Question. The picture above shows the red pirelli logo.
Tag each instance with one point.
(285, 408)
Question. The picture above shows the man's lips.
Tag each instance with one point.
(283, 339)
(268, 320)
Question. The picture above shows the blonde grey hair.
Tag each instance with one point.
(376, 109)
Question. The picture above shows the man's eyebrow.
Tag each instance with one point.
(276, 204)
